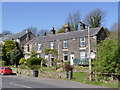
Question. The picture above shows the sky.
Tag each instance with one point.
(17, 16)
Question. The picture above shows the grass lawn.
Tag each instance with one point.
(83, 77)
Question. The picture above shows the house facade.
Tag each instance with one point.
(69, 45)
(22, 38)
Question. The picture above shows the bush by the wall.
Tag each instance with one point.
(35, 61)
(22, 60)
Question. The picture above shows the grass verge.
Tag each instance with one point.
(83, 77)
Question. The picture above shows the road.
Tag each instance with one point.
(15, 81)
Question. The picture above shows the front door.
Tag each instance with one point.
(71, 59)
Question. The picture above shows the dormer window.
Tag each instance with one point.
(65, 44)
(51, 45)
(82, 42)
(39, 46)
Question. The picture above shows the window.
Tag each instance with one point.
(52, 45)
(28, 48)
(82, 42)
(39, 46)
(65, 44)
(82, 54)
(65, 56)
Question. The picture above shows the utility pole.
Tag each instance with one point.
(89, 54)
(89, 51)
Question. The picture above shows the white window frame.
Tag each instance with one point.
(39, 46)
(65, 44)
(52, 45)
(82, 40)
(82, 54)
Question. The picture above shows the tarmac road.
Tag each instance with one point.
(15, 81)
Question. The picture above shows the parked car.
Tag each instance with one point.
(5, 70)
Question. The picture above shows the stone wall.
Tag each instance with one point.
(45, 74)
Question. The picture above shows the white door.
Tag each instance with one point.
(46, 57)
(71, 59)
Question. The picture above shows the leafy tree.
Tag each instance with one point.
(32, 29)
(4, 57)
(73, 19)
(95, 18)
(114, 31)
(43, 32)
(108, 59)
(61, 30)
(15, 56)
(8, 47)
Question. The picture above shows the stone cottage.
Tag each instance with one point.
(69, 45)
(22, 38)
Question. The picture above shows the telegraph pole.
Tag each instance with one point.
(89, 55)
(89, 51)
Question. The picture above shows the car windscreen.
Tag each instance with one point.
(7, 68)
(1, 67)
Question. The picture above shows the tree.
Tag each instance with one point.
(114, 30)
(8, 47)
(95, 18)
(73, 19)
(108, 59)
(33, 30)
(61, 30)
(6, 32)
(43, 32)
(15, 56)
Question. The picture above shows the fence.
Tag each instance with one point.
(81, 62)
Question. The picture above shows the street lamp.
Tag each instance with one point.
(89, 50)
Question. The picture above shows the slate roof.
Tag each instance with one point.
(62, 36)
(15, 36)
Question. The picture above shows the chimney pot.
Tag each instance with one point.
(53, 31)
(67, 28)
(82, 25)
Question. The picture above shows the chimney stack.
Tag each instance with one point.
(52, 31)
(67, 28)
(82, 25)
(27, 30)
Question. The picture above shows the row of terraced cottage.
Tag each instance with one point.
(69, 45)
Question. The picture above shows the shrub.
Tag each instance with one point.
(22, 60)
(33, 62)
(2, 63)
(68, 67)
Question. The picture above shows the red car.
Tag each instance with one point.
(5, 70)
